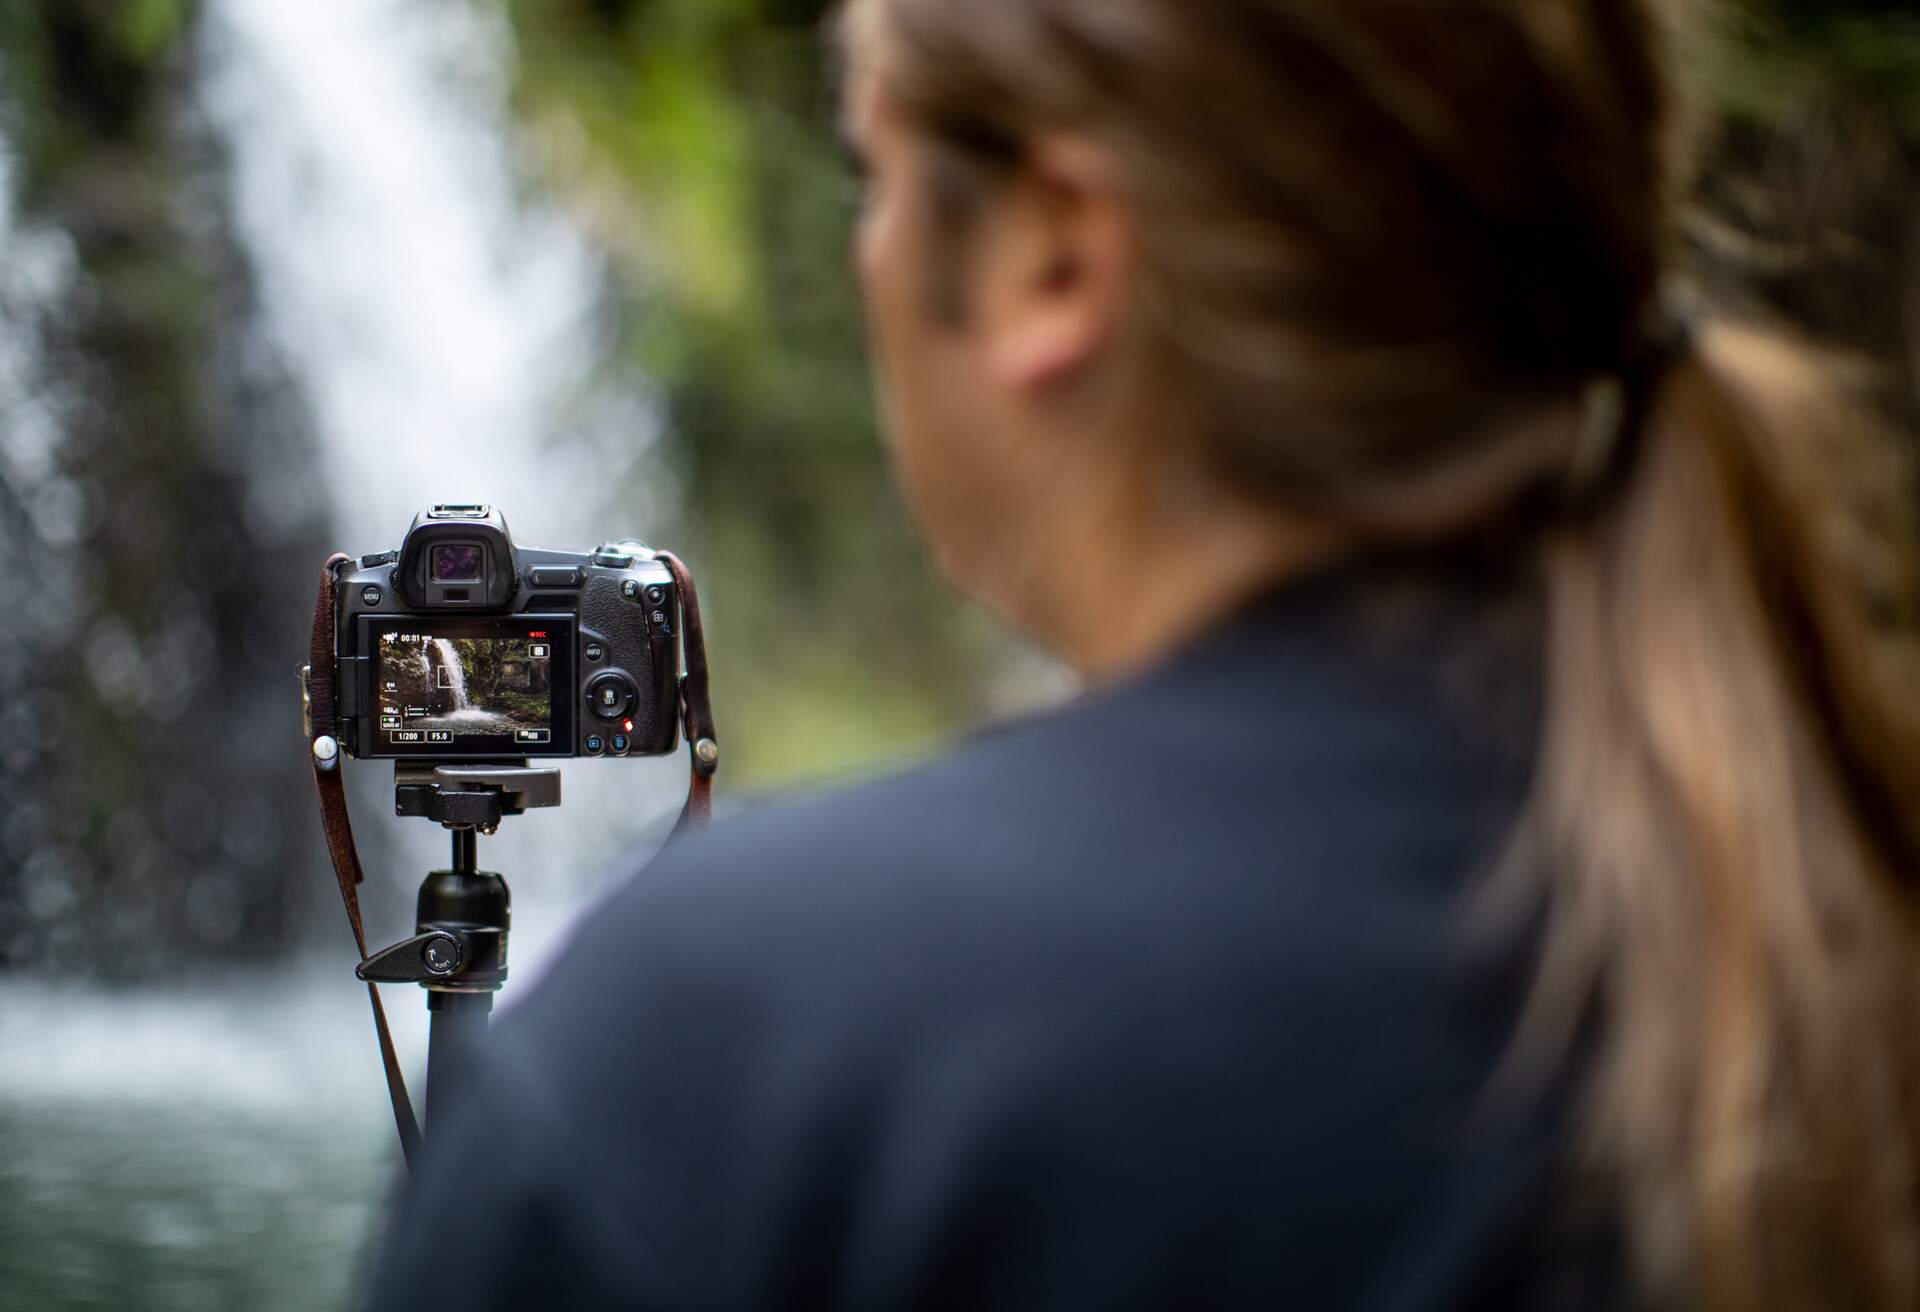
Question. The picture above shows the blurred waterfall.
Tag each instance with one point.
(36, 269)
(448, 332)
(40, 519)
(224, 1143)
(41, 514)
(161, 1146)
(143, 687)
(445, 328)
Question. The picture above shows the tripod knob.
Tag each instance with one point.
(421, 959)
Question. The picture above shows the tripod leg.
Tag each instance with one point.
(457, 1026)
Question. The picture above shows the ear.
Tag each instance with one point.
(1060, 263)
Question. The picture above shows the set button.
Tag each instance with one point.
(612, 696)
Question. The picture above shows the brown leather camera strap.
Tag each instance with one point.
(696, 702)
(696, 716)
(331, 787)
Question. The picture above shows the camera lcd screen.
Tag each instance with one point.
(457, 562)
(473, 687)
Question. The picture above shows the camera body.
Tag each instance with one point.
(464, 646)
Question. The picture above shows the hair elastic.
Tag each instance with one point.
(1617, 406)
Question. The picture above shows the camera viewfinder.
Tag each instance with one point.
(457, 562)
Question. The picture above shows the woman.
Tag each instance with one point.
(1481, 873)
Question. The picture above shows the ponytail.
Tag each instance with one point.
(1731, 825)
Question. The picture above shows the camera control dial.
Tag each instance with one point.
(612, 696)
(621, 555)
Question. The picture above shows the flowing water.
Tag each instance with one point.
(463, 714)
(454, 672)
(200, 1147)
(223, 1144)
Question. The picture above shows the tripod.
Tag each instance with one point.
(458, 952)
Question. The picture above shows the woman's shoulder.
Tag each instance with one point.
(1281, 784)
(1084, 920)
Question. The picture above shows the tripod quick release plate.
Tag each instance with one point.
(472, 796)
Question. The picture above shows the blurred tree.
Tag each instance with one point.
(1810, 205)
(695, 139)
(149, 512)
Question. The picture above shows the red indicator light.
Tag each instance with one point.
(627, 725)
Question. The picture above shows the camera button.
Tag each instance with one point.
(621, 744)
(371, 595)
(631, 589)
(596, 744)
(553, 576)
(595, 652)
(656, 595)
(612, 696)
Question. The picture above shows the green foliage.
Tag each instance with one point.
(695, 136)
(147, 29)
(696, 139)
(1784, 52)
(79, 79)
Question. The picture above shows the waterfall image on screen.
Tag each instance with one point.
(446, 689)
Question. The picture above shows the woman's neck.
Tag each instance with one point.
(1130, 589)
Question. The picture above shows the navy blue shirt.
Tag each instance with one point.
(1164, 999)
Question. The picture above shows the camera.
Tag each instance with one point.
(464, 646)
